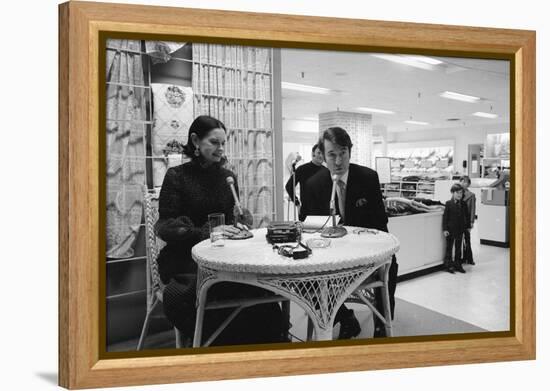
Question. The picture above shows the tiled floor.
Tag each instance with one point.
(481, 296)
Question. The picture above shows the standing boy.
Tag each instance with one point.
(455, 223)
(469, 199)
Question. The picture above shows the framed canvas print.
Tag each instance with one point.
(246, 195)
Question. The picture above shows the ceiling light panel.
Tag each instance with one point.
(460, 97)
(412, 61)
(485, 115)
(373, 110)
(305, 88)
(417, 122)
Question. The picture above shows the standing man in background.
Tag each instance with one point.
(302, 174)
(359, 204)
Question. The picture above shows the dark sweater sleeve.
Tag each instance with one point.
(173, 224)
(289, 188)
(446, 217)
(467, 222)
(472, 210)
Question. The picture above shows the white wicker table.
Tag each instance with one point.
(319, 284)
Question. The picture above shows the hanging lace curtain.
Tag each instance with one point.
(126, 127)
(233, 84)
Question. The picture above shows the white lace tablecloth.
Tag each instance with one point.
(255, 255)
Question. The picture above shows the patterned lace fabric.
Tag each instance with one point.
(125, 146)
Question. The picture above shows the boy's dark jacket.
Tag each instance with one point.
(455, 217)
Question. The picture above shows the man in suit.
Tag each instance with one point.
(302, 174)
(359, 203)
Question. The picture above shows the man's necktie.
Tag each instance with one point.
(342, 198)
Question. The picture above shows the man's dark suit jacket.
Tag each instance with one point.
(364, 205)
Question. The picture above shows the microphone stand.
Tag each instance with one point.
(334, 231)
(294, 188)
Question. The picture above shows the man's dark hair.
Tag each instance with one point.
(466, 179)
(456, 187)
(315, 146)
(335, 135)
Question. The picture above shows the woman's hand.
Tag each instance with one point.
(230, 230)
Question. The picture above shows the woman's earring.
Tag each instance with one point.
(197, 152)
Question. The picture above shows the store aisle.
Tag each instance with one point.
(479, 297)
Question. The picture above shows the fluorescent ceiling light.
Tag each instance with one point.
(417, 122)
(372, 110)
(309, 119)
(305, 88)
(413, 61)
(460, 97)
(484, 115)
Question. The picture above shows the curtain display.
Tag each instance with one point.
(161, 51)
(126, 126)
(173, 114)
(233, 84)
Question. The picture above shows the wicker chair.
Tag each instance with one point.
(155, 287)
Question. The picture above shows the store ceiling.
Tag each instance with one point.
(363, 80)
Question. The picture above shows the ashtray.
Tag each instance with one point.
(243, 234)
(318, 242)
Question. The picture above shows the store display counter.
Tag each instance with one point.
(493, 217)
(421, 239)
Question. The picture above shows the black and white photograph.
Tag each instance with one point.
(262, 195)
(174, 223)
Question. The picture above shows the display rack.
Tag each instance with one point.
(234, 84)
(489, 162)
(409, 189)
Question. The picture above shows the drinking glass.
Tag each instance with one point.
(217, 222)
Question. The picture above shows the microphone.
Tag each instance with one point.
(231, 182)
(334, 231)
(333, 198)
(296, 160)
(244, 233)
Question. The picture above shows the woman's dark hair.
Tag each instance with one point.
(314, 147)
(456, 187)
(335, 135)
(201, 126)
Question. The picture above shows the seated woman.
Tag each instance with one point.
(189, 193)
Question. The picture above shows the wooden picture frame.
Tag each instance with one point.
(80, 221)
